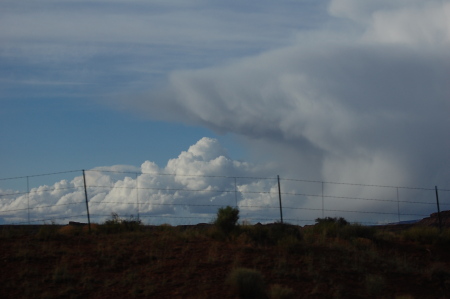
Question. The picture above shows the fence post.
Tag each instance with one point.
(235, 192)
(323, 204)
(28, 198)
(137, 195)
(438, 208)
(279, 197)
(398, 206)
(87, 206)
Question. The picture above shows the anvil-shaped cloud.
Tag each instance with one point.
(367, 102)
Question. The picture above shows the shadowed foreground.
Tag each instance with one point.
(321, 261)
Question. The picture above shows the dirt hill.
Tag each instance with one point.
(433, 220)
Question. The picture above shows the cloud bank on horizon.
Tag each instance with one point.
(367, 102)
(191, 187)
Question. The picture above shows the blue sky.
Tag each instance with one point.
(339, 90)
(63, 62)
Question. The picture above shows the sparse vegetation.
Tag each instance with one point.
(275, 234)
(279, 292)
(332, 259)
(339, 227)
(116, 224)
(375, 284)
(247, 283)
(424, 235)
(48, 231)
(227, 219)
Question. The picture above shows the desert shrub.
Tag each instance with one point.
(247, 283)
(329, 226)
(69, 230)
(48, 232)
(444, 237)
(258, 234)
(279, 292)
(422, 234)
(273, 234)
(291, 244)
(375, 284)
(339, 227)
(332, 221)
(356, 230)
(363, 244)
(279, 231)
(94, 228)
(8, 232)
(61, 274)
(385, 236)
(116, 224)
(440, 273)
(227, 219)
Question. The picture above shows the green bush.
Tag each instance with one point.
(273, 234)
(247, 283)
(227, 219)
(332, 221)
(329, 227)
(422, 234)
(48, 232)
(116, 224)
(279, 292)
(444, 237)
(339, 227)
(357, 231)
(375, 284)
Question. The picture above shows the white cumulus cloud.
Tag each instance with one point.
(191, 187)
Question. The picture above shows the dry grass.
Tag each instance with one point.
(169, 262)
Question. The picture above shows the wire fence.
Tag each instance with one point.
(179, 198)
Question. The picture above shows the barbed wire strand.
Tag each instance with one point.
(222, 176)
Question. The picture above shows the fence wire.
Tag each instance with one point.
(171, 198)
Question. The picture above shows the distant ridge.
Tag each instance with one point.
(404, 222)
(433, 220)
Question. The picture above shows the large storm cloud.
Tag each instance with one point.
(367, 102)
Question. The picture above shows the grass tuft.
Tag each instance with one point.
(247, 283)
(117, 225)
(421, 234)
(279, 292)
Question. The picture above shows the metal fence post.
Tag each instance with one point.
(438, 208)
(137, 195)
(398, 206)
(87, 205)
(28, 198)
(279, 197)
(323, 204)
(235, 192)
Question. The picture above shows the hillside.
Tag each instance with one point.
(321, 261)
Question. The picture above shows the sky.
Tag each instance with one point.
(343, 91)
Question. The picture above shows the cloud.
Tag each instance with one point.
(362, 99)
(367, 109)
(191, 187)
(367, 106)
(114, 47)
